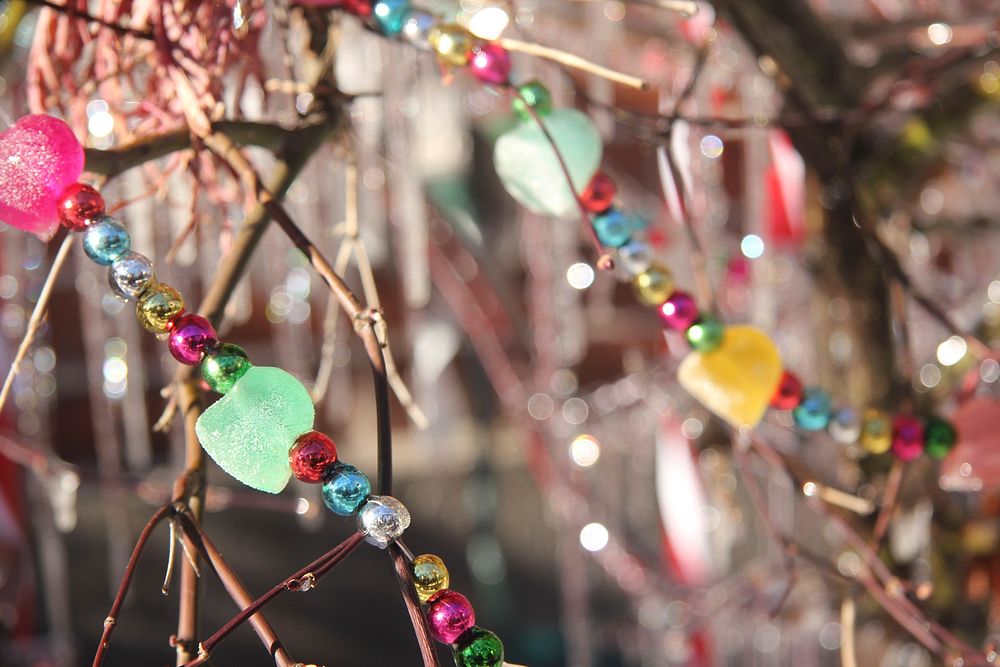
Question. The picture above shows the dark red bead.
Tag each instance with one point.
(311, 456)
(600, 193)
(361, 8)
(788, 395)
(79, 206)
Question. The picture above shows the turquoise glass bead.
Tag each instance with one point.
(106, 240)
(613, 228)
(346, 490)
(391, 15)
(813, 413)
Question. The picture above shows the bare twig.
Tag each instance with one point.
(573, 61)
(74, 12)
(37, 313)
(401, 565)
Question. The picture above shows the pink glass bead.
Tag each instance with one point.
(449, 614)
(490, 63)
(190, 336)
(79, 206)
(311, 457)
(679, 311)
(907, 437)
(39, 159)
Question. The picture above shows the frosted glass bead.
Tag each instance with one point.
(249, 431)
(530, 171)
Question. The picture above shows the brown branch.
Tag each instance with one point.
(366, 321)
(233, 585)
(271, 136)
(112, 619)
(73, 12)
(304, 579)
(401, 564)
(189, 489)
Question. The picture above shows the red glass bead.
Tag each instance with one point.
(311, 456)
(79, 206)
(361, 8)
(449, 614)
(600, 193)
(907, 437)
(190, 336)
(788, 395)
(490, 63)
(679, 311)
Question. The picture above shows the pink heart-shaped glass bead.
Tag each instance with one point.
(39, 158)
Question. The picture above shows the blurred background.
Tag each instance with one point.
(590, 509)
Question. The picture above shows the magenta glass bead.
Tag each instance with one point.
(190, 336)
(449, 614)
(490, 63)
(907, 437)
(679, 311)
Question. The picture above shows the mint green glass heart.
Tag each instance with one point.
(529, 168)
(250, 430)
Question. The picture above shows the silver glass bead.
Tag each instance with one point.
(382, 520)
(635, 257)
(845, 426)
(130, 275)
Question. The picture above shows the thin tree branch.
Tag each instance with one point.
(73, 12)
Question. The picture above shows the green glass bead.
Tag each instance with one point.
(478, 647)
(222, 367)
(429, 576)
(157, 306)
(705, 334)
(531, 171)
(532, 94)
(939, 437)
(250, 430)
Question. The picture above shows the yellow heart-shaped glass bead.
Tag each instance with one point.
(737, 379)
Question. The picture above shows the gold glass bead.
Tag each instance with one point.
(429, 576)
(654, 285)
(876, 431)
(452, 43)
(159, 304)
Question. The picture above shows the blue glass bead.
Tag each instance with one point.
(813, 413)
(106, 240)
(346, 490)
(613, 228)
(391, 15)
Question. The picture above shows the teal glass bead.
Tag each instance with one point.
(346, 490)
(813, 413)
(613, 228)
(939, 437)
(478, 647)
(106, 240)
(706, 334)
(535, 95)
(391, 15)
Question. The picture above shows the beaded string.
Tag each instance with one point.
(622, 234)
(312, 457)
